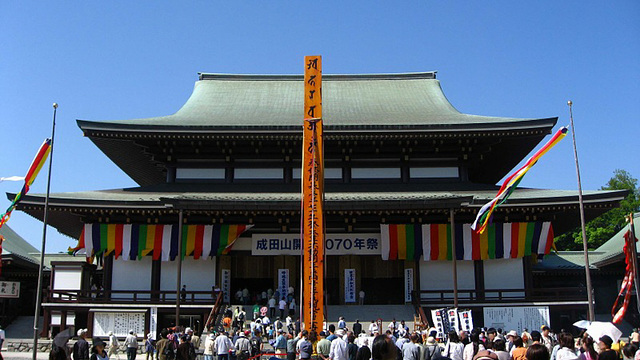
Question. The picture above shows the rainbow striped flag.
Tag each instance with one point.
(34, 169)
(500, 241)
(135, 241)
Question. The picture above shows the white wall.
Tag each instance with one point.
(503, 274)
(375, 173)
(131, 275)
(438, 275)
(67, 279)
(198, 275)
(188, 173)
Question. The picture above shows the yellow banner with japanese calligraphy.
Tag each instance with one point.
(313, 197)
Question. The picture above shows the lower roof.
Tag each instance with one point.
(468, 198)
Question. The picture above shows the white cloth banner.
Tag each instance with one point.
(226, 285)
(453, 320)
(283, 282)
(408, 284)
(516, 318)
(466, 320)
(349, 285)
(437, 316)
(153, 322)
(335, 244)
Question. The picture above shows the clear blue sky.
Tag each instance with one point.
(131, 59)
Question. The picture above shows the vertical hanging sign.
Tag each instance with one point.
(312, 197)
(283, 282)
(226, 285)
(408, 284)
(349, 285)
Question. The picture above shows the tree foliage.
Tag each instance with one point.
(602, 228)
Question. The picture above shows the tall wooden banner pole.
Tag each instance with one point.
(453, 257)
(312, 301)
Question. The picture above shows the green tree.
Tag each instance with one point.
(602, 228)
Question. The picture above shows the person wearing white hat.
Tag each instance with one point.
(81, 347)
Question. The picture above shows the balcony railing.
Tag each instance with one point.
(436, 297)
(130, 296)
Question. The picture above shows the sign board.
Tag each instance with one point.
(437, 316)
(283, 282)
(335, 244)
(153, 322)
(312, 197)
(453, 319)
(9, 289)
(408, 284)
(349, 285)
(226, 285)
(119, 322)
(516, 318)
(466, 320)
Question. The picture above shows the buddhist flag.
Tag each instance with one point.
(509, 185)
(135, 241)
(34, 169)
(433, 241)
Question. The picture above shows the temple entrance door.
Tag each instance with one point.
(382, 281)
(255, 273)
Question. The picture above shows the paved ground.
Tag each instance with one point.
(23, 355)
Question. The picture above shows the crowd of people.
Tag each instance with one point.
(242, 339)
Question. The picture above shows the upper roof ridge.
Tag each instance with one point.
(298, 77)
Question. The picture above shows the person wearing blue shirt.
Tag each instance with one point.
(281, 345)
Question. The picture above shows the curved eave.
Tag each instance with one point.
(491, 125)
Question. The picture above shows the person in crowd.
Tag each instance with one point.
(500, 349)
(223, 346)
(184, 351)
(537, 352)
(536, 338)
(339, 348)
(491, 337)
(410, 350)
(332, 332)
(361, 297)
(352, 348)
(149, 346)
(81, 347)
(383, 348)
(209, 346)
(567, 350)
(272, 306)
(282, 306)
(131, 343)
(194, 339)
(304, 346)
(431, 349)
(547, 340)
(518, 352)
(314, 339)
(59, 352)
(526, 338)
(402, 340)
(588, 351)
(511, 335)
(373, 328)
(292, 342)
(256, 343)
(629, 351)
(341, 323)
(256, 311)
(364, 353)
(323, 347)
(606, 353)
(281, 344)
(454, 349)
(289, 324)
(243, 346)
(165, 348)
(357, 328)
(635, 337)
(240, 318)
(393, 327)
(292, 305)
(97, 350)
(391, 336)
(113, 345)
(464, 337)
(472, 348)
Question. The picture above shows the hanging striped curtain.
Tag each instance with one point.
(500, 241)
(134, 241)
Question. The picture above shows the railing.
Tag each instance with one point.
(214, 311)
(431, 297)
(130, 296)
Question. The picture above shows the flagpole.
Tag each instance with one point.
(634, 251)
(585, 247)
(44, 240)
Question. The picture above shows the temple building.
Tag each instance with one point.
(401, 165)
